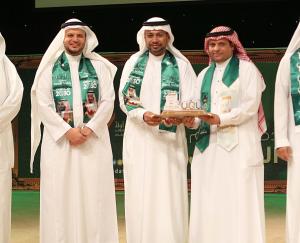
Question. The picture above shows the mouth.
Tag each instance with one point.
(155, 46)
(216, 54)
(74, 46)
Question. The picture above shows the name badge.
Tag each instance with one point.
(225, 104)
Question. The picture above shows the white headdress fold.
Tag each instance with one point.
(295, 41)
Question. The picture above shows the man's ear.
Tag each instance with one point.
(232, 46)
(168, 36)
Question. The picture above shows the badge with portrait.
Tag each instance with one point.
(227, 136)
(63, 109)
(90, 106)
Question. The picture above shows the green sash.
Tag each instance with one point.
(169, 82)
(295, 85)
(231, 73)
(63, 92)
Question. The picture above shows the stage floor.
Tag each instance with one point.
(25, 217)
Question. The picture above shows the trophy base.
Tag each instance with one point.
(184, 113)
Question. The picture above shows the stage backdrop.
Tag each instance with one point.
(267, 61)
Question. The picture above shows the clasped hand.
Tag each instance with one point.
(78, 135)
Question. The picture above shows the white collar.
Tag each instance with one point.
(156, 58)
(223, 64)
(72, 58)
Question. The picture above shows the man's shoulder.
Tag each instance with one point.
(132, 59)
(97, 63)
(183, 63)
(47, 68)
(134, 56)
(99, 60)
(247, 63)
(181, 60)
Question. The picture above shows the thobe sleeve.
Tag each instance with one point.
(55, 124)
(281, 104)
(188, 86)
(196, 94)
(137, 113)
(187, 83)
(106, 101)
(11, 105)
(251, 88)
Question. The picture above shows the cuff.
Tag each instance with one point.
(196, 123)
(225, 119)
(140, 114)
(98, 132)
(282, 143)
(61, 132)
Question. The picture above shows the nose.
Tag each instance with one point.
(155, 38)
(75, 38)
(216, 47)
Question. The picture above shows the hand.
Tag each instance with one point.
(170, 121)
(188, 121)
(284, 153)
(75, 136)
(86, 131)
(151, 119)
(211, 118)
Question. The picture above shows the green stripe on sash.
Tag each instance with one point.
(295, 85)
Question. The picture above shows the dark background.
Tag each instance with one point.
(260, 24)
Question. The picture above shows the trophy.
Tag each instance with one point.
(174, 108)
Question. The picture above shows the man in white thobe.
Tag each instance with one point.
(77, 182)
(154, 150)
(11, 92)
(287, 131)
(227, 172)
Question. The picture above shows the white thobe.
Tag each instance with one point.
(11, 91)
(77, 182)
(227, 188)
(287, 134)
(155, 163)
